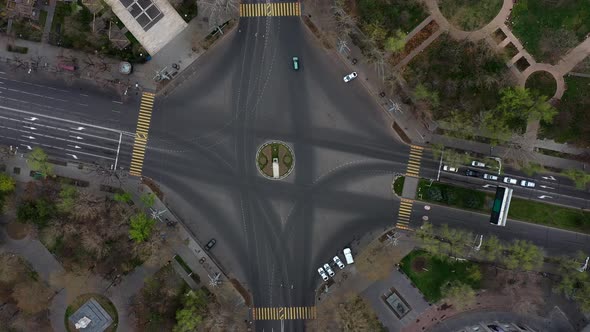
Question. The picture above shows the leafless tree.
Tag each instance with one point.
(521, 150)
(218, 11)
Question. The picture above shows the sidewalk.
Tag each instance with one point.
(415, 130)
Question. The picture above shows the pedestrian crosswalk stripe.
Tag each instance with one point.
(283, 313)
(270, 9)
(141, 133)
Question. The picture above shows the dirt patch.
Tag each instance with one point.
(419, 264)
(314, 29)
(238, 286)
(17, 230)
(153, 186)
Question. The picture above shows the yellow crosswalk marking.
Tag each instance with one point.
(283, 313)
(270, 9)
(141, 133)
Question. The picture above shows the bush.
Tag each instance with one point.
(37, 212)
(17, 49)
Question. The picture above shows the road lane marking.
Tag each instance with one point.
(141, 133)
(59, 119)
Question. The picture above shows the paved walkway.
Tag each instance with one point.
(49, 21)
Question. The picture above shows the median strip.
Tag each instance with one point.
(540, 213)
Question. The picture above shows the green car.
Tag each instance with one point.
(295, 63)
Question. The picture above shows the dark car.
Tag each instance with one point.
(471, 172)
(210, 244)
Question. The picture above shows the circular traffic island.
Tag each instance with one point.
(275, 160)
(93, 312)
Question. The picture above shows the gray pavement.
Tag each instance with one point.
(408, 292)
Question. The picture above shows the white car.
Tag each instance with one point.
(338, 262)
(476, 163)
(490, 177)
(527, 184)
(350, 77)
(328, 269)
(448, 168)
(510, 180)
(323, 274)
(348, 256)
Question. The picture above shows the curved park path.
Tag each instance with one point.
(558, 71)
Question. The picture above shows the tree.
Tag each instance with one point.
(457, 238)
(67, 197)
(7, 183)
(458, 293)
(141, 227)
(356, 315)
(218, 11)
(474, 273)
(421, 93)
(31, 297)
(148, 199)
(518, 105)
(375, 32)
(491, 248)
(191, 315)
(124, 197)
(523, 255)
(580, 178)
(574, 284)
(459, 124)
(38, 212)
(39, 161)
(397, 42)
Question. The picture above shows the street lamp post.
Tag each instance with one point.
(499, 160)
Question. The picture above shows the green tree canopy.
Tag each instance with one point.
(396, 42)
(148, 199)
(141, 227)
(518, 105)
(39, 161)
(491, 248)
(523, 255)
(38, 212)
(458, 293)
(573, 283)
(191, 315)
(580, 177)
(124, 197)
(67, 195)
(7, 183)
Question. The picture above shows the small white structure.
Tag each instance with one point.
(82, 323)
(275, 168)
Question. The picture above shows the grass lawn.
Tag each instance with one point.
(572, 123)
(454, 196)
(543, 26)
(398, 185)
(429, 273)
(550, 215)
(42, 18)
(543, 82)
(468, 14)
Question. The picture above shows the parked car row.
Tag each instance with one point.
(326, 271)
